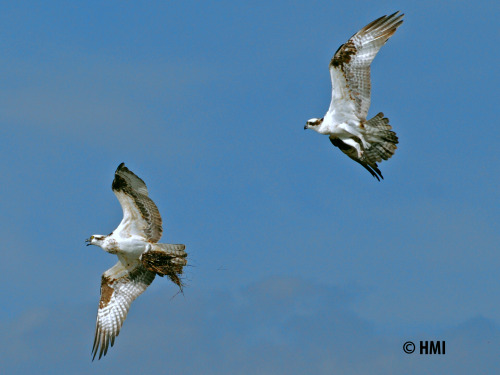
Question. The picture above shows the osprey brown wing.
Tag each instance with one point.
(352, 61)
(140, 214)
(119, 288)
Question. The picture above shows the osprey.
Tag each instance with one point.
(366, 142)
(140, 257)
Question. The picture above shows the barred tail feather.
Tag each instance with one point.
(171, 249)
(381, 138)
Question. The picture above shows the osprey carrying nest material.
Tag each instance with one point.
(366, 142)
(140, 257)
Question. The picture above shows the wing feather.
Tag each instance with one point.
(140, 214)
(120, 286)
(350, 66)
(369, 164)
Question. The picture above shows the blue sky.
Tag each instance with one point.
(301, 261)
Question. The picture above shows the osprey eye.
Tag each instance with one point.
(91, 238)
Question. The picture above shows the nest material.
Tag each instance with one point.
(164, 264)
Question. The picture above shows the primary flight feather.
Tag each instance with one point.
(140, 257)
(365, 141)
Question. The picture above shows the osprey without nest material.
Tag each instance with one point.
(140, 257)
(366, 142)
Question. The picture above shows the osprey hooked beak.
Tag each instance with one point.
(88, 240)
(306, 126)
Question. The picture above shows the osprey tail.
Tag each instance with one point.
(381, 138)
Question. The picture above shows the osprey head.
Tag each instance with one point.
(313, 123)
(96, 239)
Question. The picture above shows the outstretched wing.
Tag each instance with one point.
(350, 66)
(140, 214)
(120, 286)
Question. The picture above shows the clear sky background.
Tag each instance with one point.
(302, 263)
